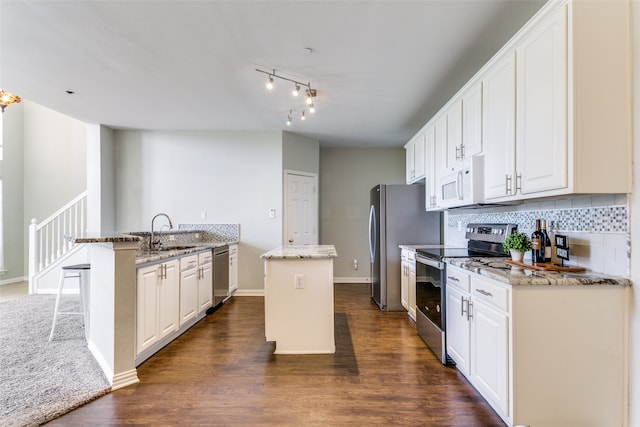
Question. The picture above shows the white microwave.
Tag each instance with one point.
(463, 184)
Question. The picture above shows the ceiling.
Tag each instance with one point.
(381, 68)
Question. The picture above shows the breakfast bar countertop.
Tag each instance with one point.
(498, 269)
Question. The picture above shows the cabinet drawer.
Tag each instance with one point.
(458, 278)
(490, 293)
(205, 258)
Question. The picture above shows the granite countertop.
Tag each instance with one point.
(416, 247)
(145, 256)
(498, 269)
(104, 238)
(302, 252)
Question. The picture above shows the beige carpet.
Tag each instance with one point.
(41, 380)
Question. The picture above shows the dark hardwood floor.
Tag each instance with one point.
(222, 372)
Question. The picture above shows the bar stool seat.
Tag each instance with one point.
(78, 271)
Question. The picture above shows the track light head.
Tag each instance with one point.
(312, 107)
(270, 83)
(302, 116)
(289, 118)
(296, 90)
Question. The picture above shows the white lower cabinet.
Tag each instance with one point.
(172, 296)
(157, 308)
(490, 348)
(205, 280)
(541, 355)
(189, 275)
(408, 282)
(233, 268)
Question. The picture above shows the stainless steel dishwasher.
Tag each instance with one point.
(220, 274)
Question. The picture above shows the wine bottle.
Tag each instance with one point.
(546, 242)
(537, 250)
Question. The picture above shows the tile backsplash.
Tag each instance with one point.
(597, 227)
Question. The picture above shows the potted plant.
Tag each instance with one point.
(517, 244)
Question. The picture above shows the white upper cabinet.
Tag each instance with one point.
(499, 128)
(431, 176)
(541, 106)
(454, 133)
(472, 120)
(415, 156)
(550, 112)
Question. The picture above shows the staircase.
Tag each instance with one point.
(48, 247)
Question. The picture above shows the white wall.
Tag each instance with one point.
(233, 177)
(300, 153)
(634, 354)
(13, 194)
(346, 177)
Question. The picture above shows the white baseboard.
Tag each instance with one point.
(249, 293)
(352, 280)
(14, 280)
(124, 379)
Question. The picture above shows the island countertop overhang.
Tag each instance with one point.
(301, 252)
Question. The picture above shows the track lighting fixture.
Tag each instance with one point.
(309, 91)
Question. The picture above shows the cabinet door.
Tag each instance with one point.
(419, 157)
(233, 268)
(430, 168)
(189, 302)
(169, 299)
(489, 346)
(472, 120)
(146, 308)
(541, 131)
(454, 133)
(409, 162)
(411, 289)
(440, 150)
(205, 287)
(404, 281)
(498, 128)
(458, 328)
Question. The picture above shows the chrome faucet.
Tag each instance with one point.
(152, 242)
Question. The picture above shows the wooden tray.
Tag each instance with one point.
(545, 266)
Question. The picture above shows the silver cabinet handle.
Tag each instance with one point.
(483, 292)
(469, 313)
(518, 182)
(462, 310)
(455, 279)
(507, 184)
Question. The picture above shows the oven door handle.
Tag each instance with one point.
(430, 262)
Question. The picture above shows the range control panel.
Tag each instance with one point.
(495, 233)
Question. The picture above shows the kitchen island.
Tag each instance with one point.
(298, 283)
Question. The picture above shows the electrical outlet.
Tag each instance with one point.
(172, 237)
(355, 264)
(298, 279)
(203, 214)
(272, 213)
(459, 225)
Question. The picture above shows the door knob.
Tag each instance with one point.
(290, 240)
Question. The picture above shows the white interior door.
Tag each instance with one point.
(301, 211)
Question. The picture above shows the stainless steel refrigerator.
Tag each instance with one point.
(397, 216)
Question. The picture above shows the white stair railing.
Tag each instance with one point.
(47, 241)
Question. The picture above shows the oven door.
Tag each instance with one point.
(430, 300)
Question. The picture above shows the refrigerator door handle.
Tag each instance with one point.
(372, 233)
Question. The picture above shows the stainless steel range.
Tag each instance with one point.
(485, 240)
